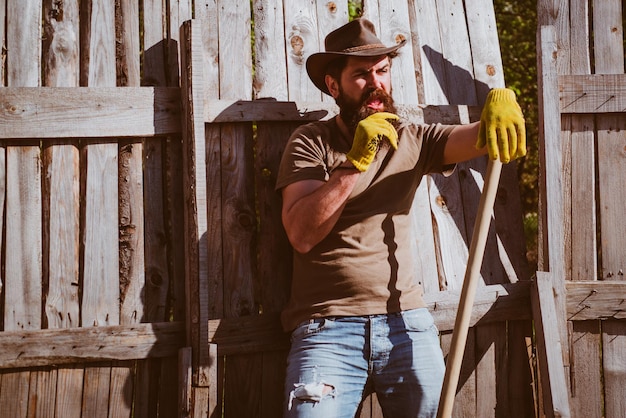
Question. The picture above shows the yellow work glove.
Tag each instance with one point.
(502, 127)
(367, 136)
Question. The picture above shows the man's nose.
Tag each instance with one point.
(374, 80)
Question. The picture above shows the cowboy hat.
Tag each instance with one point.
(356, 38)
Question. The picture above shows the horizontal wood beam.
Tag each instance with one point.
(88, 112)
(52, 347)
(269, 110)
(598, 93)
(263, 333)
(588, 300)
(120, 112)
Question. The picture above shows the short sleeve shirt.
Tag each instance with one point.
(364, 265)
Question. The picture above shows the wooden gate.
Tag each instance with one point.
(582, 80)
(240, 103)
(90, 202)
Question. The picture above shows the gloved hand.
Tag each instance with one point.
(367, 136)
(502, 127)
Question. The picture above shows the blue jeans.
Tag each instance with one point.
(333, 360)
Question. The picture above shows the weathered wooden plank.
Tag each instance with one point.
(329, 15)
(592, 93)
(263, 333)
(197, 207)
(274, 266)
(391, 19)
(73, 345)
(23, 234)
(132, 222)
(485, 47)
(608, 47)
(490, 353)
(552, 251)
(235, 51)
(303, 37)
(95, 112)
(61, 186)
(424, 27)
(42, 114)
(100, 212)
(614, 367)
(554, 383)
(586, 369)
(457, 53)
(588, 300)
(270, 61)
(289, 111)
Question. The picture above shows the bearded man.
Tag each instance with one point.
(356, 314)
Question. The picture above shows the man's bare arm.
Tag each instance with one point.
(311, 207)
(461, 145)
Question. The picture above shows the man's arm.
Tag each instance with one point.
(311, 207)
(461, 145)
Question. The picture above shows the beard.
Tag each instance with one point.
(352, 112)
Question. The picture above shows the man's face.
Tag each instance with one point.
(364, 88)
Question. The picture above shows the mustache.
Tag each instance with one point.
(352, 112)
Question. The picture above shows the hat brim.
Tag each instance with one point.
(317, 63)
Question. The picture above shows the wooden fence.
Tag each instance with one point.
(90, 202)
(143, 264)
(236, 123)
(582, 80)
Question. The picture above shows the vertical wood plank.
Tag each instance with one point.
(275, 255)
(2, 159)
(609, 59)
(303, 37)
(611, 131)
(23, 251)
(270, 60)
(62, 199)
(132, 243)
(131, 183)
(173, 169)
(197, 210)
(430, 51)
(391, 19)
(174, 287)
(100, 236)
(99, 177)
(157, 274)
(585, 342)
(614, 365)
(587, 388)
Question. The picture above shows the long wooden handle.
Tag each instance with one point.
(468, 292)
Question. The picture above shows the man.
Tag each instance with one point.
(357, 317)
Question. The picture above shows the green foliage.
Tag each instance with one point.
(355, 8)
(517, 26)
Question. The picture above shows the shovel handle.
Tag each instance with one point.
(468, 291)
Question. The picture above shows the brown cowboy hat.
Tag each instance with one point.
(356, 38)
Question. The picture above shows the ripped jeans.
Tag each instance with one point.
(333, 360)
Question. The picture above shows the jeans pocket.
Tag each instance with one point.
(310, 327)
(419, 320)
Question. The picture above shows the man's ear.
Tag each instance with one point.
(332, 85)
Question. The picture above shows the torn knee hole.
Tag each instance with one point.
(311, 392)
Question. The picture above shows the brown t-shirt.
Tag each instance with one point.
(364, 265)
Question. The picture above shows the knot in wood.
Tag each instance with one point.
(400, 38)
(491, 70)
(332, 7)
(297, 44)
